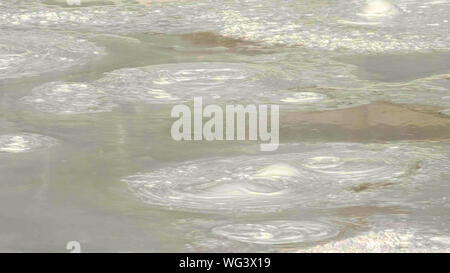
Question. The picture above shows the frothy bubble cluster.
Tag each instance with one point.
(20, 143)
(356, 26)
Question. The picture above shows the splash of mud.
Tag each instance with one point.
(21, 143)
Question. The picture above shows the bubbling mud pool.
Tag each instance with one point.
(317, 177)
(98, 81)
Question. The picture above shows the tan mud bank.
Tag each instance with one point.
(374, 122)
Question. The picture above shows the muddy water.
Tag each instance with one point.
(86, 153)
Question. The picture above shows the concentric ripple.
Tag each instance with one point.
(29, 53)
(277, 232)
(315, 176)
(68, 98)
(21, 143)
(181, 82)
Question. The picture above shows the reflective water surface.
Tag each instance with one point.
(86, 153)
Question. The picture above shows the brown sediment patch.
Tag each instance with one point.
(149, 2)
(213, 40)
(370, 186)
(374, 122)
